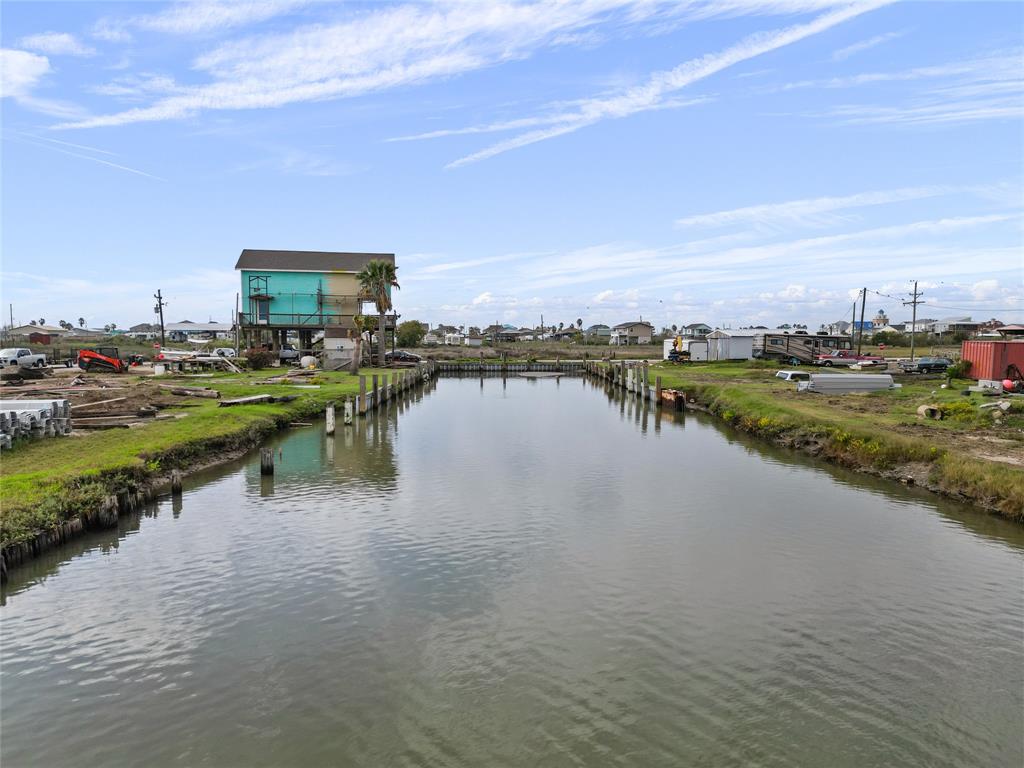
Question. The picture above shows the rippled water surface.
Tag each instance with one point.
(525, 573)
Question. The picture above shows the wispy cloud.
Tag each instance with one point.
(850, 50)
(56, 44)
(400, 45)
(660, 85)
(50, 146)
(195, 18)
(808, 212)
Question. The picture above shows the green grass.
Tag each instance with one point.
(46, 481)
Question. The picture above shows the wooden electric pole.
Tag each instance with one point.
(159, 309)
(863, 301)
(914, 301)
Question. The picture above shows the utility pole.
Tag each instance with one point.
(853, 322)
(159, 309)
(863, 301)
(914, 301)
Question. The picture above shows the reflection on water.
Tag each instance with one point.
(523, 572)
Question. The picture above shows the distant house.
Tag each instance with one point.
(473, 341)
(502, 333)
(453, 339)
(695, 331)
(49, 330)
(920, 326)
(635, 332)
(837, 328)
(432, 338)
(598, 331)
(566, 334)
(187, 330)
(955, 325)
(144, 331)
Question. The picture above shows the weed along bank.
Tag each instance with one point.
(368, 588)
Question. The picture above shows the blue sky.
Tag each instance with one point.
(722, 162)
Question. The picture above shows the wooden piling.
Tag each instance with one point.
(266, 461)
(329, 413)
(176, 482)
(362, 394)
(375, 391)
(657, 390)
(348, 417)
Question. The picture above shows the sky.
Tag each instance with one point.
(732, 163)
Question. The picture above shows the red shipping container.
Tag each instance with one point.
(989, 359)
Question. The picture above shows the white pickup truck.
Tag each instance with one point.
(19, 356)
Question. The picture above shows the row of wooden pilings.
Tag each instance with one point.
(635, 376)
(374, 391)
(514, 366)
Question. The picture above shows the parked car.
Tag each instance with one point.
(288, 352)
(793, 375)
(401, 356)
(845, 357)
(225, 352)
(926, 365)
(21, 357)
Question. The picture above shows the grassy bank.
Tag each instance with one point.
(970, 453)
(45, 482)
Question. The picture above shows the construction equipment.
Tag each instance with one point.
(101, 359)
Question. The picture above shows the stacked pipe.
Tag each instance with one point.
(33, 418)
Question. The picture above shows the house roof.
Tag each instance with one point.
(632, 323)
(188, 325)
(308, 261)
(694, 326)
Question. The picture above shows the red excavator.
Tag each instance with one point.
(101, 359)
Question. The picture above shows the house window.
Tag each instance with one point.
(775, 342)
(262, 310)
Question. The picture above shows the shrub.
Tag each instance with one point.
(959, 370)
(259, 358)
(961, 410)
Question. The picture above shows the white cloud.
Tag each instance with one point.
(195, 18)
(660, 85)
(985, 289)
(863, 45)
(393, 46)
(808, 212)
(57, 44)
(483, 298)
(20, 72)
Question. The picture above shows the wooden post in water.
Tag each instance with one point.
(657, 390)
(647, 382)
(376, 393)
(362, 394)
(329, 413)
(266, 461)
(394, 384)
(176, 482)
(348, 414)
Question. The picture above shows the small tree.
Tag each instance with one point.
(81, 322)
(42, 321)
(579, 323)
(410, 333)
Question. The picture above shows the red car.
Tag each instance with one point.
(845, 357)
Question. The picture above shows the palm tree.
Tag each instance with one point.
(376, 280)
(579, 323)
(81, 322)
(42, 321)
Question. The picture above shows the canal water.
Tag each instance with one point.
(523, 573)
